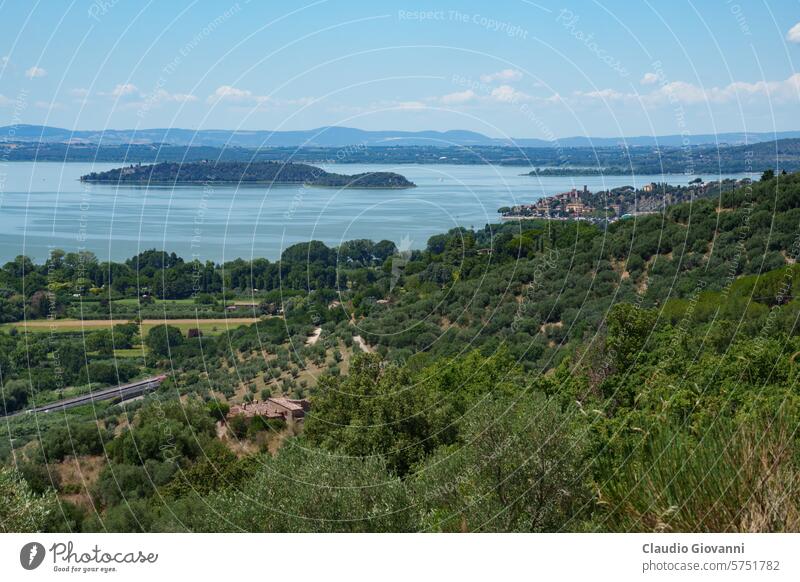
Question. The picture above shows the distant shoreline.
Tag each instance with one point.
(566, 174)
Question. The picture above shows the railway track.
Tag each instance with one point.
(120, 393)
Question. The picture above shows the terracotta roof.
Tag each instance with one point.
(287, 403)
(279, 407)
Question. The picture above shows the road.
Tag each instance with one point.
(121, 393)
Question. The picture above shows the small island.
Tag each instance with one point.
(210, 172)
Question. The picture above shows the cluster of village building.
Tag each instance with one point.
(281, 408)
(575, 204)
(609, 206)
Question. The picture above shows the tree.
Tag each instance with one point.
(40, 477)
(161, 338)
(628, 329)
(168, 431)
(521, 467)
(767, 175)
(384, 249)
(22, 511)
(81, 439)
(306, 490)
(71, 357)
(100, 342)
(393, 412)
(118, 482)
(15, 395)
(39, 305)
(125, 335)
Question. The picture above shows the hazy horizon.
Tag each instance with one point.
(519, 70)
(322, 128)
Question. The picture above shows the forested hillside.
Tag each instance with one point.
(534, 376)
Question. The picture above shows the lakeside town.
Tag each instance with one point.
(607, 206)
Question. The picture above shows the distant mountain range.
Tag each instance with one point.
(348, 136)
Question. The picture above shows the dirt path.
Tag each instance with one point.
(362, 344)
(314, 338)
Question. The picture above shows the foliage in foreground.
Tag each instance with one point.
(743, 478)
(21, 510)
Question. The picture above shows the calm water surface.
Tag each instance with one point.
(44, 206)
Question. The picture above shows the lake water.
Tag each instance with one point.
(44, 206)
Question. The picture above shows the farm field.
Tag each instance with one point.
(207, 326)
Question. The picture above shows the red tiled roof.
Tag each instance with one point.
(271, 408)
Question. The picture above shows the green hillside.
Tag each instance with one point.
(549, 376)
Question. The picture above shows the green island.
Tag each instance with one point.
(530, 376)
(207, 172)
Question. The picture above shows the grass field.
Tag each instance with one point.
(136, 352)
(207, 326)
(134, 301)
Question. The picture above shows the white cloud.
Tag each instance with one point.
(4, 101)
(507, 94)
(49, 105)
(410, 105)
(649, 79)
(683, 92)
(79, 92)
(603, 94)
(232, 94)
(124, 89)
(303, 101)
(458, 97)
(35, 72)
(794, 33)
(506, 75)
(161, 96)
(554, 98)
(244, 97)
(4, 61)
(786, 90)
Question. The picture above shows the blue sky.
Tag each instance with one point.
(515, 68)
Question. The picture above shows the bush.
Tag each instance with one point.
(112, 372)
(40, 477)
(218, 410)
(78, 439)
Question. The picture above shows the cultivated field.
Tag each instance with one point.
(207, 326)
